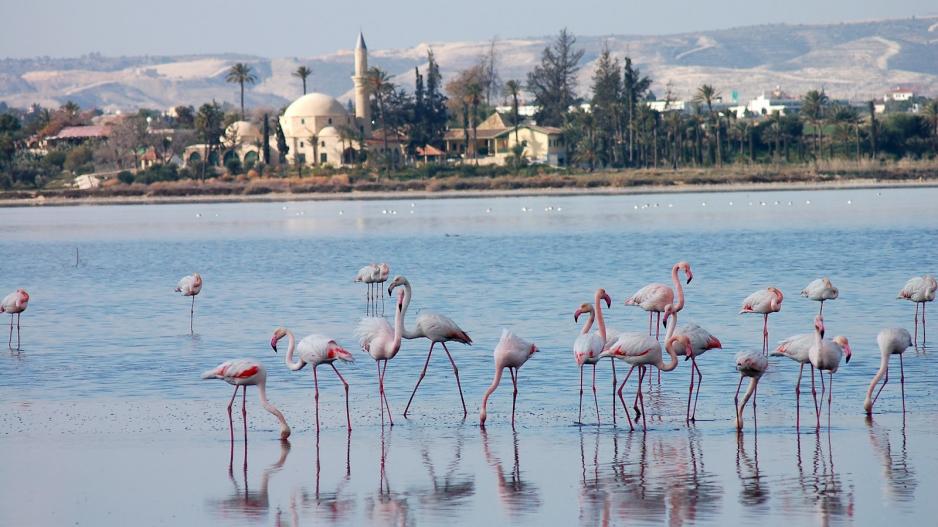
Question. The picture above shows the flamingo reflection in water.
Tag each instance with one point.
(898, 470)
(387, 507)
(329, 507)
(517, 496)
(244, 502)
(823, 489)
(755, 492)
(594, 499)
(451, 490)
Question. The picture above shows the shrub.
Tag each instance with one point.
(125, 177)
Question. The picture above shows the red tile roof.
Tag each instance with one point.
(84, 132)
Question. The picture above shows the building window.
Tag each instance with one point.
(302, 121)
(330, 120)
(322, 144)
(301, 144)
(301, 159)
(323, 158)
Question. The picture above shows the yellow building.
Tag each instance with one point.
(494, 141)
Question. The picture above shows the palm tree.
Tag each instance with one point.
(513, 89)
(706, 94)
(474, 98)
(813, 110)
(379, 84)
(240, 74)
(302, 73)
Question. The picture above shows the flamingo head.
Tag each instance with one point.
(842, 341)
(400, 300)
(685, 266)
(398, 280)
(197, 278)
(602, 294)
(24, 296)
(279, 333)
(668, 312)
(533, 350)
(584, 308)
(819, 325)
(778, 294)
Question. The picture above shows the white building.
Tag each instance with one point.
(763, 105)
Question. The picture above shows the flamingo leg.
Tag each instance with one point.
(923, 325)
(916, 323)
(316, 396)
(755, 395)
(230, 420)
(348, 416)
(612, 360)
(798, 399)
(595, 399)
(10, 342)
(885, 380)
(902, 382)
(514, 393)
(765, 333)
(465, 412)
(641, 377)
(813, 389)
(244, 416)
(821, 311)
(821, 405)
(18, 334)
(191, 315)
(380, 390)
(830, 397)
(739, 421)
(641, 399)
(419, 379)
(693, 414)
(384, 394)
(690, 390)
(580, 418)
(624, 407)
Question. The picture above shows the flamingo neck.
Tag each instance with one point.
(408, 292)
(284, 427)
(488, 392)
(600, 320)
(668, 348)
(399, 327)
(288, 359)
(589, 324)
(678, 288)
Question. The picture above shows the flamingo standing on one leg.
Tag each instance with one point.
(750, 364)
(315, 350)
(190, 286)
(243, 373)
(826, 358)
(700, 341)
(764, 301)
(820, 290)
(588, 346)
(892, 341)
(511, 352)
(14, 304)
(640, 351)
(920, 289)
(437, 329)
(382, 343)
(368, 275)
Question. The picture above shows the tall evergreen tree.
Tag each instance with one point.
(634, 89)
(553, 81)
(435, 115)
(606, 107)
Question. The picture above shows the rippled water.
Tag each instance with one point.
(105, 420)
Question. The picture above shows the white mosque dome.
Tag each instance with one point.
(329, 131)
(314, 104)
(243, 130)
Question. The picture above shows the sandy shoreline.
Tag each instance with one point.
(855, 183)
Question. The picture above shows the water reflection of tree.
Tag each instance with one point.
(516, 496)
(247, 503)
(898, 471)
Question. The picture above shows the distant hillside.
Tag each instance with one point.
(850, 60)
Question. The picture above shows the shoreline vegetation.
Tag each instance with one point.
(829, 175)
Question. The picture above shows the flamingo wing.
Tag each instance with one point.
(701, 340)
(439, 328)
(632, 346)
(652, 297)
(370, 330)
(795, 347)
(587, 347)
(235, 371)
(751, 363)
(758, 302)
(513, 349)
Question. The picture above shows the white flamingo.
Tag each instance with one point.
(14, 304)
(314, 350)
(437, 329)
(826, 358)
(654, 297)
(511, 352)
(701, 341)
(750, 364)
(892, 341)
(369, 275)
(190, 286)
(588, 346)
(796, 348)
(382, 343)
(820, 290)
(919, 289)
(764, 301)
(242, 373)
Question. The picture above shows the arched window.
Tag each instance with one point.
(301, 144)
(322, 144)
(330, 120)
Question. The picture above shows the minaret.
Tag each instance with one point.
(362, 104)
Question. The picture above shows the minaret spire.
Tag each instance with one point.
(362, 104)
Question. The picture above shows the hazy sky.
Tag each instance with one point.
(288, 28)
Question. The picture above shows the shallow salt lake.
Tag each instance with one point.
(104, 421)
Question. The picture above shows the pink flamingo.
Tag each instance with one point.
(511, 352)
(796, 348)
(920, 289)
(700, 341)
(892, 341)
(750, 364)
(654, 297)
(640, 351)
(383, 272)
(382, 343)
(190, 286)
(315, 350)
(369, 275)
(437, 329)
(588, 346)
(14, 304)
(764, 301)
(242, 373)
(826, 358)
(820, 290)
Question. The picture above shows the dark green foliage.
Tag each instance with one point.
(125, 176)
(553, 81)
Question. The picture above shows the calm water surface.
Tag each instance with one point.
(104, 420)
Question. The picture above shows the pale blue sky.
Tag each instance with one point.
(289, 28)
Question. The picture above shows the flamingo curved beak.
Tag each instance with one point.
(608, 300)
(273, 344)
(576, 315)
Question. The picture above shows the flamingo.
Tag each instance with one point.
(14, 304)
(243, 373)
(796, 348)
(511, 352)
(383, 272)
(437, 329)
(826, 358)
(919, 289)
(764, 301)
(654, 297)
(315, 350)
(750, 364)
(368, 275)
(820, 290)
(588, 346)
(190, 286)
(700, 341)
(640, 351)
(892, 341)
(382, 343)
